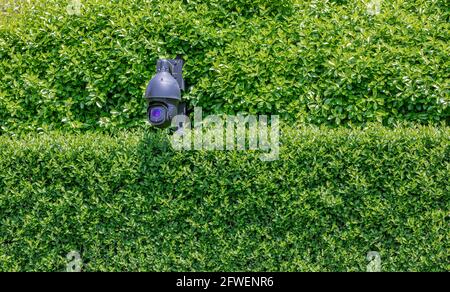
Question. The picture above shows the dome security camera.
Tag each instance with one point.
(163, 93)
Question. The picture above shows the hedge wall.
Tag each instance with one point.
(324, 62)
(128, 202)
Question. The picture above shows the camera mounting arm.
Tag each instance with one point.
(174, 67)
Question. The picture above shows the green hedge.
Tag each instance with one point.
(128, 202)
(324, 62)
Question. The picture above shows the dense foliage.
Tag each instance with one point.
(125, 200)
(129, 202)
(324, 62)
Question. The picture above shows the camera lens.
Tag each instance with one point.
(157, 114)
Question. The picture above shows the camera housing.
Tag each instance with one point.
(163, 93)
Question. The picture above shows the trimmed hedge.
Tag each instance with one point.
(128, 202)
(324, 62)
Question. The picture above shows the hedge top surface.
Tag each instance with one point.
(323, 62)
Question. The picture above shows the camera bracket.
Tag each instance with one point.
(174, 67)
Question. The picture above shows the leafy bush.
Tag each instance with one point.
(128, 202)
(322, 62)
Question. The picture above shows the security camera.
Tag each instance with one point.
(163, 93)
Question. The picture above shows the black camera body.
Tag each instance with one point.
(163, 93)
